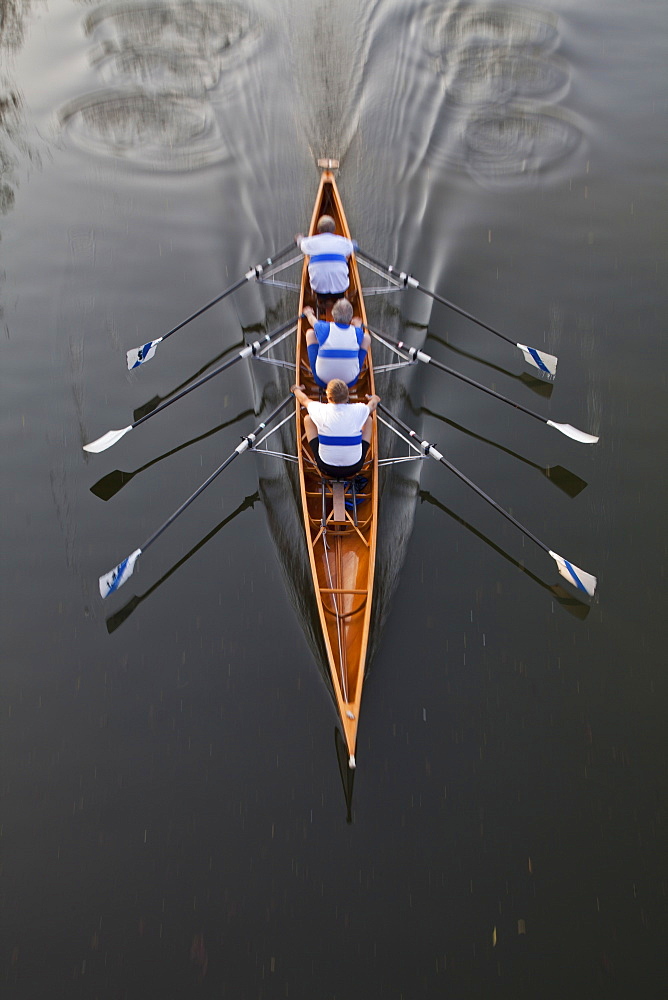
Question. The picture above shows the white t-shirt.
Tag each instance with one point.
(327, 275)
(339, 420)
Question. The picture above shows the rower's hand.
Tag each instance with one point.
(293, 387)
(298, 238)
(373, 401)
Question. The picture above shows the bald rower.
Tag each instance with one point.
(328, 264)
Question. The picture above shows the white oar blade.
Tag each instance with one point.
(112, 581)
(140, 355)
(573, 432)
(106, 441)
(544, 362)
(581, 580)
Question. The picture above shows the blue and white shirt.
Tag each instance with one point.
(339, 430)
(338, 351)
(328, 266)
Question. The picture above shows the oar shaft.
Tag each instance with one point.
(253, 272)
(409, 281)
(246, 352)
(246, 443)
(416, 355)
(432, 452)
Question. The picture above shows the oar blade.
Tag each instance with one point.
(119, 574)
(140, 355)
(544, 362)
(107, 440)
(573, 432)
(576, 576)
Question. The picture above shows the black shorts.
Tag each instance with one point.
(337, 471)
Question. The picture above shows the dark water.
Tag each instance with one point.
(174, 821)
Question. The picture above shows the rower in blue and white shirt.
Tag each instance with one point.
(328, 264)
(338, 431)
(336, 349)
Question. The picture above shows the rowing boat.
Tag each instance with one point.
(340, 519)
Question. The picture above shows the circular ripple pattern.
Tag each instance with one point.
(188, 26)
(479, 74)
(497, 61)
(516, 141)
(161, 131)
(160, 72)
(163, 59)
(470, 24)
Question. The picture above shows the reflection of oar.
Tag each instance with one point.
(416, 355)
(562, 478)
(140, 355)
(567, 601)
(113, 621)
(151, 404)
(544, 362)
(109, 485)
(541, 388)
(583, 581)
(119, 574)
(111, 437)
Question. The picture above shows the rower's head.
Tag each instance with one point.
(326, 224)
(337, 391)
(342, 311)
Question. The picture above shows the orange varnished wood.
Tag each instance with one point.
(342, 555)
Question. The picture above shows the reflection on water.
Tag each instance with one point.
(170, 56)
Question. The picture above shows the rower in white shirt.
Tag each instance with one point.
(328, 263)
(338, 432)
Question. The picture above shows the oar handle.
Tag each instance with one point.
(246, 352)
(246, 443)
(433, 452)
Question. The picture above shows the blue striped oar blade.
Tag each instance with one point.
(140, 355)
(544, 362)
(119, 574)
(576, 576)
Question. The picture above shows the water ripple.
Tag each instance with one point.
(159, 62)
(471, 24)
(158, 130)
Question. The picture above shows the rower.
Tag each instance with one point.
(328, 264)
(338, 431)
(336, 350)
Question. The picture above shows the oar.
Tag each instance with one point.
(581, 580)
(417, 355)
(109, 485)
(557, 474)
(118, 617)
(119, 574)
(111, 437)
(579, 609)
(140, 355)
(544, 362)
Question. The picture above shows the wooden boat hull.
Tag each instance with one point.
(342, 554)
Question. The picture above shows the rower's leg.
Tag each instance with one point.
(367, 430)
(312, 430)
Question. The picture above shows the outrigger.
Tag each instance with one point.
(340, 516)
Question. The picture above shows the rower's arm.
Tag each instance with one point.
(300, 395)
(372, 402)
